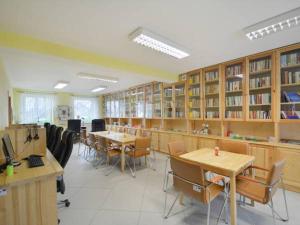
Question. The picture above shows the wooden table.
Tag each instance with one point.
(30, 197)
(226, 164)
(119, 138)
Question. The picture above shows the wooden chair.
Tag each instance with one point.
(263, 191)
(131, 131)
(83, 140)
(141, 148)
(234, 146)
(91, 144)
(120, 129)
(176, 148)
(189, 180)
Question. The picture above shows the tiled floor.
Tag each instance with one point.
(119, 199)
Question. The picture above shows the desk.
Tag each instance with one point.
(31, 194)
(119, 138)
(227, 164)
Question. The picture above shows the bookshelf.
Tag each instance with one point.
(260, 85)
(127, 103)
(289, 64)
(212, 92)
(106, 102)
(234, 90)
(133, 103)
(114, 106)
(140, 102)
(157, 98)
(194, 95)
(122, 104)
(168, 101)
(180, 99)
(149, 101)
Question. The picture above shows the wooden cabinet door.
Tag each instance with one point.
(163, 142)
(191, 143)
(155, 141)
(263, 158)
(291, 173)
(206, 143)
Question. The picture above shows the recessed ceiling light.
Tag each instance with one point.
(99, 88)
(61, 85)
(97, 77)
(272, 25)
(158, 43)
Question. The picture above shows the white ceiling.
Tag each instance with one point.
(210, 29)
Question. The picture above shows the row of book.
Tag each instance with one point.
(212, 89)
(212, 115)
(260, 65)
(194, 102)
(157, 106)
(234, 114)
(290, 114)
(233, 85)
(290, 59)
(212, 75)
(194, 79)
(179, 91)
(234, 101)
(157, 87)
(259, 114)
(195, 91)
(194, 114)
(180, 103)
(168, 92)
(260, 82)
(234, 70)
(179, 114)
(168, 104)
(212, 102)
(290, 77)
(263, 99)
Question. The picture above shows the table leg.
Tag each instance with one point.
(123, 158)
(233, 217)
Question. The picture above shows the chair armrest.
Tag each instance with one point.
(240, 177)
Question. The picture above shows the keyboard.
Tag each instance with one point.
(35, 161)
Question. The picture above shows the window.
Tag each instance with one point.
(86, 108)
(36, 108)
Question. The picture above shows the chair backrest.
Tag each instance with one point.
(142, 143)
(61, 147)
(186, 175)
(47, 127)
(234, 146)
(101, 144)
(57, 138)
(131, 131)
(176, 148)
(51, 136)
(74, 125)
(92, 140)
(68, 149)
(98, 125)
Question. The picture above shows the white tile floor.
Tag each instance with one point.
(119, 199)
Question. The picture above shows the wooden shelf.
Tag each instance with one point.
(260, 72)
(212, 81)
(238, 76)
(259, 88)
(210, 94)
(237, 91)
(290, 85)
(290, 103)
(290, 66)
(255, 105)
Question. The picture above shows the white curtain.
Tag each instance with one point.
(86, 108)
(36, 108)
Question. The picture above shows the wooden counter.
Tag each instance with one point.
(31, 194)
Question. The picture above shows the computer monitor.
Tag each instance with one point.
(8, 149)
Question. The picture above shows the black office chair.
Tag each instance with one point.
(98, 125)
(47, 127)
(60, 149)
(66, 152)
(57, 138)
(51, 136)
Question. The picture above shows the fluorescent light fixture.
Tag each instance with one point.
(61, 85)
(158, 43)
(99, 88)
(274, 24)
(97, 77)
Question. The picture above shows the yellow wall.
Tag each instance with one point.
(4, 92)
(62, 98)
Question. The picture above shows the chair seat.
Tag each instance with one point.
(138, 153)
(254, 191)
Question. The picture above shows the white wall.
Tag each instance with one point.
(4, 93)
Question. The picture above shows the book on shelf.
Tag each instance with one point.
(290, 96)
(194, 102)
(233, 85)
(194, 114)
(195, 91)
(260, 114)
(290, 77)
(263, 98)
(232, 71)
(212, 89)
(260, 82)
(290, 59)
(212, 115)
(179, 91)
(289, 114)
(260, 65)
(212, 102)
(211, 76)
(234, 101)
(194, 79)
(233, 114)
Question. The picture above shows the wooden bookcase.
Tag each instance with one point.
(127, 104)
(234, 88)
(157, 100)
(133, 101)
(168, 101)
(194, 100)
(179, 100)
(140, 102)
(149, 101)
(260, 87)
(212, 92)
